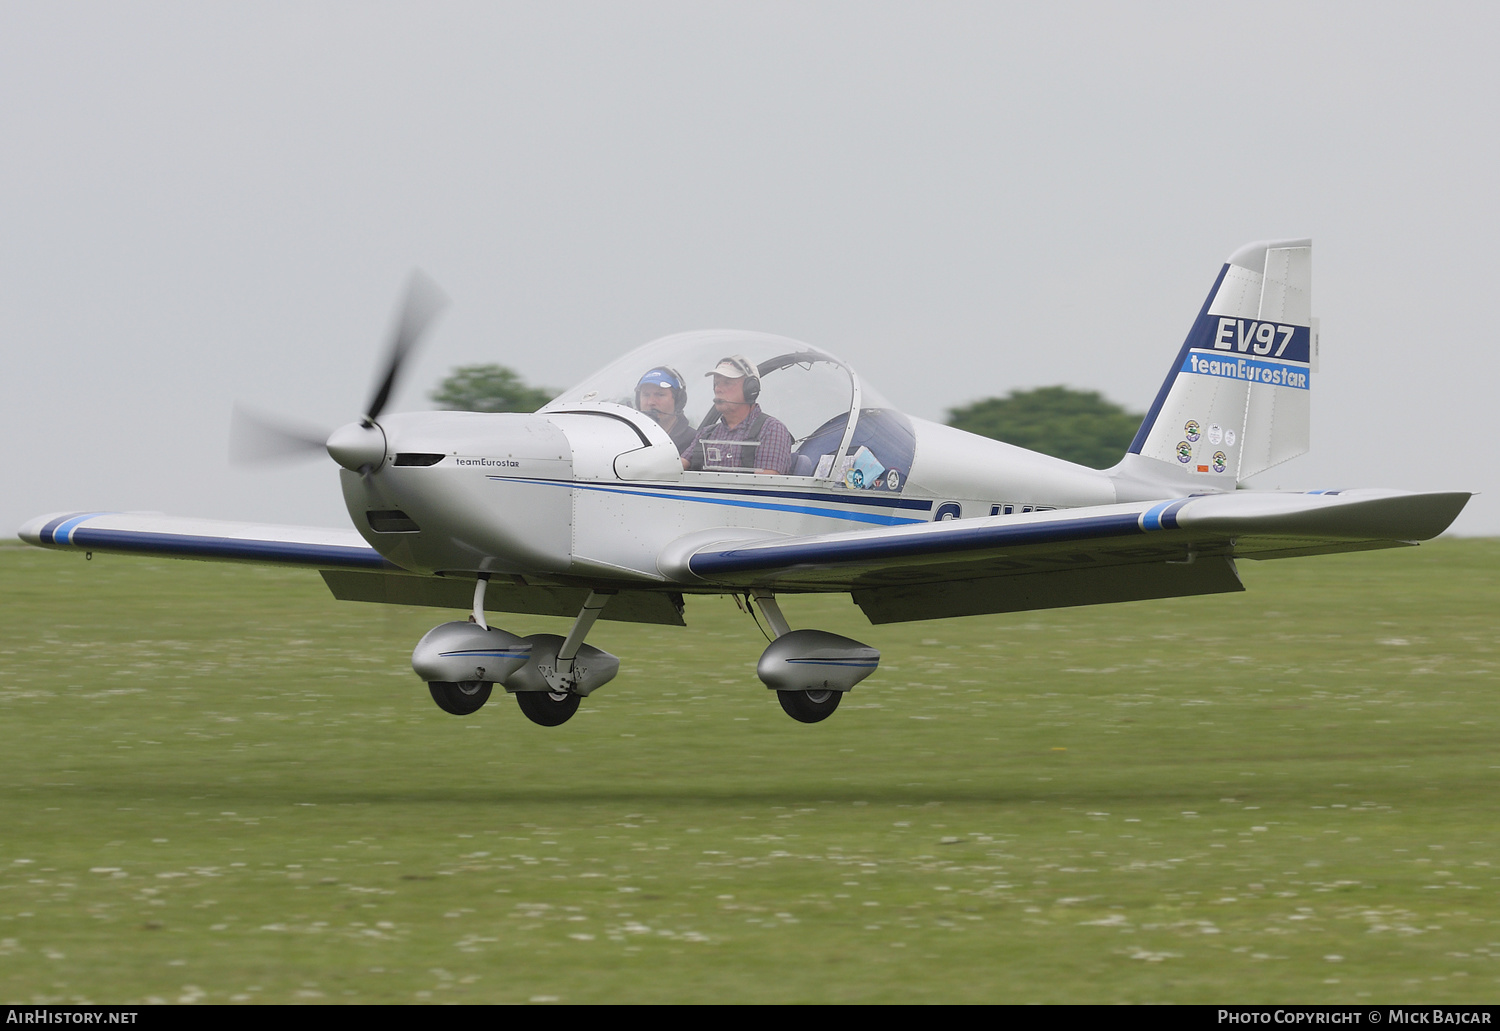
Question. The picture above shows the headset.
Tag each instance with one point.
(752, 375)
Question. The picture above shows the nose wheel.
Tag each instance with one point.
(461, 698)
(549, 675)
(548, 708)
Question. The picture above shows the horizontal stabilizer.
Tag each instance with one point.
(1333, 515)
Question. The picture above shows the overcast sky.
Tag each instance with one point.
(203, 202)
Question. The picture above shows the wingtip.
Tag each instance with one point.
(39, 531)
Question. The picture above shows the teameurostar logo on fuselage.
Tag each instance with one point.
(489, 463)
(1249, 370)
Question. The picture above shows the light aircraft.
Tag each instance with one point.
(587, 509)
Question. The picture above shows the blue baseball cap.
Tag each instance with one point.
(661, 378)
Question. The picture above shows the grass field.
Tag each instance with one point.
(218, 784)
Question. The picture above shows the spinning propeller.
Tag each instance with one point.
(358, 446)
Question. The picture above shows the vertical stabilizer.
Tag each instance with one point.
(1236, 400)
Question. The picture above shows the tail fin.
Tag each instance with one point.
(1235, 403)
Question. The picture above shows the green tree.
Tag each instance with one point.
(1078, 425)
(489, 388)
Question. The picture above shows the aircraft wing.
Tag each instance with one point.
(151, 533)
(1078, 556)
(352, 569)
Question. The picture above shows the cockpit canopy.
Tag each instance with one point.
(828, 410)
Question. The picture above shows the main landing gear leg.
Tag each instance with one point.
(767, 602)
(805, 706)
(567, 655)
(574, 671)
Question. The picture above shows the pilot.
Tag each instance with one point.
(742, 437)
(662, 395)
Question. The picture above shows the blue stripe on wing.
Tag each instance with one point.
(1162, 516)
(57, 530)
(179, 545)
(943, 539)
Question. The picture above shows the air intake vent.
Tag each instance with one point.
(392, 521)
(418, 458)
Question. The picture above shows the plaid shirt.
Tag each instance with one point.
(709, 449)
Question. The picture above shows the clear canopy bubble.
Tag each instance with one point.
(820, 399)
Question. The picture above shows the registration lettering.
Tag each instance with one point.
(1259, 337)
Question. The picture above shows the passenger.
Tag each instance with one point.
(743, 437)
(662, 395)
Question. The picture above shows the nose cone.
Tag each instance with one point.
(357, 446)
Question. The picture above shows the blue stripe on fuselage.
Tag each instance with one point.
(692, 494)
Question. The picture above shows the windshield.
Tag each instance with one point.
(817, 397)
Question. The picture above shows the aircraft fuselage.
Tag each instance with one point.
(601, 493)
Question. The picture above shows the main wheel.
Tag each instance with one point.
(548, 708)
(809, 706)
(460, 699)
